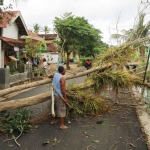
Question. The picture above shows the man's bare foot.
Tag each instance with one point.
(53, 122)
(63, 127)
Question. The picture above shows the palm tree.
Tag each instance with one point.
(36, 28)
(140, 30)
(46, 29)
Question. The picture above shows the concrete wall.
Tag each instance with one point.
(18, 77)
(1, 56)
(4, 78)
(11, 31)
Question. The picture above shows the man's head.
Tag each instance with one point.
(61, 70)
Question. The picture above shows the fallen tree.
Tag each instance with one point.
(46, 81)
(101, 76)
(13, 104)
(23, 87)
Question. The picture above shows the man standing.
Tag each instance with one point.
(88, 65)
(59, 83)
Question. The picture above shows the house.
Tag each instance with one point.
(47, 50)
(51, 54)
(12, 27)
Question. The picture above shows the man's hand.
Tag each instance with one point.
(65, 100)
(51, 76)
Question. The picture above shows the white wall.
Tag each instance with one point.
(11, 31)
(48, 57)
(2, 59)
(55, 57)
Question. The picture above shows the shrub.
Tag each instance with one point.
(12, 67)
(20, 67)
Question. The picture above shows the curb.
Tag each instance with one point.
(143, 117)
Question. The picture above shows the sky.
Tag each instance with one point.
(102, 14)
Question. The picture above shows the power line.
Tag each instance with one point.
(147, 2)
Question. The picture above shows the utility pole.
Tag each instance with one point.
(147, 64)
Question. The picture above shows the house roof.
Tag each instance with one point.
(51, 47)
(13, 42)
(8, 17)
(48, 36)
(32, 35)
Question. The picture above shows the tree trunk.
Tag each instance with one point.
(46, 81)
(37, 83)
(24, 86)
(13, 104)
(67, 63)
(100, 68)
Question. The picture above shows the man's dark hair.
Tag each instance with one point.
(60, 69)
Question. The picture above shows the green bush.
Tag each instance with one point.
(79, 63)
(20, 67)
(12, 67)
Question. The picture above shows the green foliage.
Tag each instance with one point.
(33, 47)
(46, 29)
(36, 69)
(18, 123)
(36, 28)
(20, 67)
(12, 67)
(76, 33)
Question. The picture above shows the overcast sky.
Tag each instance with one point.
(102, 14)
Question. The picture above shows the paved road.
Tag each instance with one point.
(119, 131)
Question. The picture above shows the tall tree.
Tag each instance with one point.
(46, 29)
(75, 33)
(33, 47)
(36, 28)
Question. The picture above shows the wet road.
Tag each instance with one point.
(120, 130)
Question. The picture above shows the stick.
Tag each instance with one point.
(88, 147)
(52, 107)
(114, 145)
(61, 97)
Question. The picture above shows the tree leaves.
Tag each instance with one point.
(76, 33)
